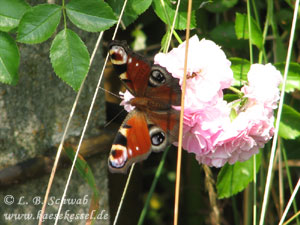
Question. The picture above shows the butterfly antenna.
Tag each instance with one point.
(116, 116)
(109, 92)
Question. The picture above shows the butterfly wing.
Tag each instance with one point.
(154, 124)
(167, 121)
(163, 89)
(136, 138)
(143, 79)
(133, 68)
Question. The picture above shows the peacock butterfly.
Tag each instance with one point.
(153, 124)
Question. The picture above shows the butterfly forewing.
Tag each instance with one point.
(162, 85)
(133, 68)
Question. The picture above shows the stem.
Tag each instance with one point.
(171, 28)
(254, 190)
(262, 51)
(265, 31)
(64, 14)
(152, 188)
(177, 37)
(169, 37)
(250, 32)
(237, 91)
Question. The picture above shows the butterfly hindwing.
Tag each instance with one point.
(134, 141)
(167, 121)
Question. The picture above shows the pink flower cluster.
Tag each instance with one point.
(254, 124)
(209, 131)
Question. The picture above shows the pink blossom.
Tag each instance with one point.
(242, 138)
(262, 87)
(208, 74)
(254, 124)
(208, 131)
(208, 68)
(126, 96)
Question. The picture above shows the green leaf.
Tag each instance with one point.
(235, 178)
(196, 4)
(289, 127)
(69, 58)
(224, 35)
(83, 169)
(9, 60)
(241, 30)
(133, 9)
(240, 68)
(166, 13)
(293, 78)
(11, 11)
(164, 40)
(91, 15)
(39, 23)
(230, 97)
(218, 6)
(292, 148)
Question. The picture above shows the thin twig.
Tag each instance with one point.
(288, 173)
(292, 218)
(290, 202)
(57, 157)
(173, 24)
(274, 143)
(280, 180)
(87, 120)
(123, 195)
(179, 151)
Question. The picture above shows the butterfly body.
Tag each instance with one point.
(153, 124)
